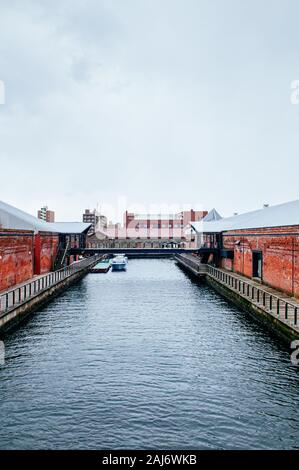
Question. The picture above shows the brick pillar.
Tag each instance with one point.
(37, 254)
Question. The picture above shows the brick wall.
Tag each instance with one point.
(45, 251)
(280, 251)
(226, 264)
(16, 257)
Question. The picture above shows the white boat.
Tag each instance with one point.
(123, 255)
(119, 263)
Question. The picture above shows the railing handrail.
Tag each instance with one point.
(19, 294)
(278, 306)
(198, 266)
(261, 296)
(250, 283)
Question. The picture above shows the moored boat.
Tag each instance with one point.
(119, 263)
(102, 267)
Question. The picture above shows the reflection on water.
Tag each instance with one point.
(146, 358)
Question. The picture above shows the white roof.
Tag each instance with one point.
(16, 219)
(70, 227)
(282, 215)
(211, 216)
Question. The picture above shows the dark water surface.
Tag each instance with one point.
(146, 359)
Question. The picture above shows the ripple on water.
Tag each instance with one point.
(146, 359)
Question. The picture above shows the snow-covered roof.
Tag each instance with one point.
(16, 219)
(282, 215)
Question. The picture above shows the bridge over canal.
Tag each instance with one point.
(134, 252)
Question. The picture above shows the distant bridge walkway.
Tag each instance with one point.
(133, 252)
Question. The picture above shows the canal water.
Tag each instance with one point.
(146, 359)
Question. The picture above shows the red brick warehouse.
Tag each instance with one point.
(16, 257)
(262, 244)
(29, 246)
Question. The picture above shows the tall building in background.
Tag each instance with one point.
(45, 214)
(162, 221)
(149, 231)
(102, 222)
(91, 217)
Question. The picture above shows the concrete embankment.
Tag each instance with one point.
(277, 311)
(17, 303)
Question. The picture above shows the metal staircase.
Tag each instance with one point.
(60, 256)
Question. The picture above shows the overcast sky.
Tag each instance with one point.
(151, 101)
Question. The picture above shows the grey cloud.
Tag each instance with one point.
(170, 100)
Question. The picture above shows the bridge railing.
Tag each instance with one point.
(16, 296)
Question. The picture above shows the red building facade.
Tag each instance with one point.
(154, 221)
(16, 257)
(160, 226)
(149, 231)
(45, 251)
(262, 245)
(29, 246)
(268, 254)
